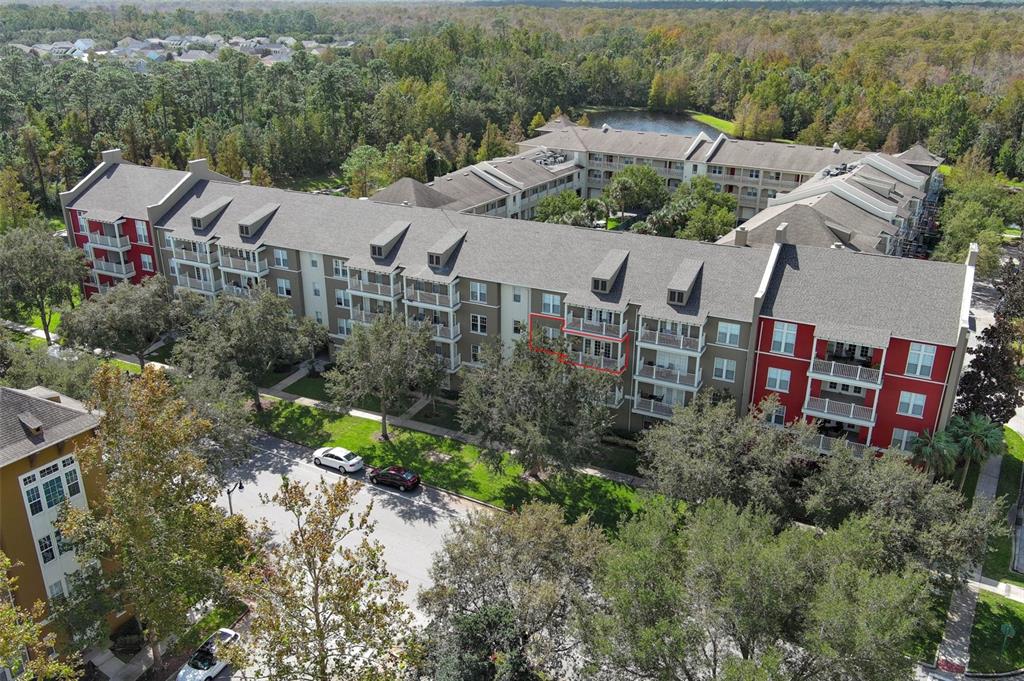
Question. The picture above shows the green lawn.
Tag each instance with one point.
(327, 180)
(714, 121)
(451, 465)
(971, 482)
(130, 367)
(926, 643)
(161, 354)
(441, 414)
(997, 562)
(987, 638)
(315, 389)
(271, 378)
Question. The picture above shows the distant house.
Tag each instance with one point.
(190, 56)
(309, 44)
(85, 44)
(287, 40)
(277, 58)
(215, 39)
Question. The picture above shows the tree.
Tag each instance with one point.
(16, 206)
(637, 188)
(127, 318)
(992, 384)
(384, 360)
(363, 171)
(755, 121)
(534, 404)
(557, 207)
(230, 161)
(536, 122)
(505, 591)
(21, 631)
(584, 120)
(241, 340)
(154, 521)
(976, 437)
(260, 177)
(38, 272)
(25, 366)
(323, 604)
(407, 158)
(493, 144)
(936, 450)
(696, 211)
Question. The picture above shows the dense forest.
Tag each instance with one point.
(429, 79)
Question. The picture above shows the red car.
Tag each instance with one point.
(394, 476)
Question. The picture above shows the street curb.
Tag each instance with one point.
(465, 498)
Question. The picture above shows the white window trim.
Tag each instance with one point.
(775, 375)
(724, 364)
(911, 401)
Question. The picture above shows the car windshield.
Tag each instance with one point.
(204, 657)
(408, 475)
(348, 456)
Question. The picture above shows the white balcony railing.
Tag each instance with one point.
(599, 362)
(258, 267)
(825, 444)
(651, 371)
(441, 331)
(240, 291)
(199, 257)
(451, 364)
(414, 295)
(841, 411)
(653, 408)
(364, 316)
(849, 372)
(606, 329)
(114, 269)
(374, 288)
(194, 284)
(670, 340)
(614, 397)
(119, 242)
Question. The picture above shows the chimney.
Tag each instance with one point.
(112, 156)
(780, 233)
(972, 255)
(199, 165)
(740, 236)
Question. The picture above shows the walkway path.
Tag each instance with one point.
(38, 333)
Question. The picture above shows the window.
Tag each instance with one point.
(316, 290)
(754, 173)
(729, 334)
(168, 241)
(46, 549)
(53, 490)
(197, 223)
(474, 354)
(62, 545)
(280, 257)
(550, 333)
(517, 295)
(750, 191)
(340, 269)
(714, 170)
(551, 304)
(725, 369)
(74, 486)
(433, 259)
(141, 233)
(68, 462)
(146, 260)
(600, 285)
(319, 317)
(478, 292)
(920, 360)
(313, 262)
(49, 470)
(911, 404)
(35, 502)
(56, 590)
(676, 297)
(902, 439)
(770, 193)
(518, 326)
(478, 323)
(377, 251)
(784, 338)
(342, 298)
(778, 417)
(778, 379)
(284, 288)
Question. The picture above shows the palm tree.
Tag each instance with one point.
(976, 437)
(936, 451)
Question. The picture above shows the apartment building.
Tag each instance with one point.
(39, 430)
(508, 187)
(665, 317)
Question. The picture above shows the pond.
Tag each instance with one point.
(649, 121)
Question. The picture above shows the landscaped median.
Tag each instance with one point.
(451, 465)
(1000, 556)
(990, 616)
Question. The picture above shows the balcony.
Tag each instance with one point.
(599, 362)
(239, 291)
(450, 364)
(95, 283)
(650, 407)
(614, 398)
(258, 267)
(848, 412)
(664, 339)
(574, 324)
(442, 332)
(114, 243)
(194, 257)
(414, 295)
(847, 373)
(364, 316)
(114, 269)
(673, 376)
(825, 444)
(193, 284)
(374, 289)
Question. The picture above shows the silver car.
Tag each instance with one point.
(204, 665)
(338, 458)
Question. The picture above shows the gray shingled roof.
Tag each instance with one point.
(411, 192)
(792, 158)
(867, 298)
(57, 421)
(614, 141)
(467, 189)
(127, 188)
(919, 155)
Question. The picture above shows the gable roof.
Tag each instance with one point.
(613, 141)
(128, 188)
(410, 192)
(29, 423)
(918, 155)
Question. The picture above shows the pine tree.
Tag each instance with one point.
(536, 122)
(229, 156)
(583, 121)
(493, 144)
(656, 95)
(16, 207)
(515, 129)
(260, 177)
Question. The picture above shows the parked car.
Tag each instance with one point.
(394, 476)
(338, 458)
(204, 665)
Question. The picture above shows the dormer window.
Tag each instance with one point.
(677, 297)
(434, 260)
(243, 230)
(377, 251)
(197, 223)
(600, 285)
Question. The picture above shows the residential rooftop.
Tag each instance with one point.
(33, 420)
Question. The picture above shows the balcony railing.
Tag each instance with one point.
(653, 408)
(450, 364)
(614, 397)
(119, 242)
(200, 257)
(670, 340)
(842, 411)
(441, 331)
(194, 284)
(360, 286)
(95, 282)
(114, 269)
(606, 329)
(230, 262)
(675, 376)
(240, 291)
(364, 316)
(414, 295)
(825, 444)
(848, 372)
(599, 362)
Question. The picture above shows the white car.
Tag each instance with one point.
(338, 458)
(204, 665)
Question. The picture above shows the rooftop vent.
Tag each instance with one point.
(836, 148)
(605, 127)
(838, 245)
